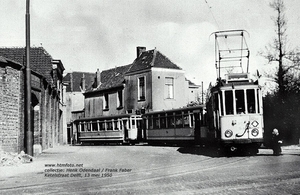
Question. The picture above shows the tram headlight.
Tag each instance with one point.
(255, 132)
(228, 133)
(255, 123)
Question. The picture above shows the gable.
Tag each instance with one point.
(110, 78)
(152, 58)
(74, 80)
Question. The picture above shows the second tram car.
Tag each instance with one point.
(126, 128)
(176, 126)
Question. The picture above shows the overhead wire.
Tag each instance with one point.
(209, 8)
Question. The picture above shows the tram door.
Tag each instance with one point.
(139, 123)
(125, 123)
(197, 128)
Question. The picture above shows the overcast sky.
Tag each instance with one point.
(91, 34)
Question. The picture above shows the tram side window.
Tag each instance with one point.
(250, 100)
(88, 126)
(156, 122)
(102, 126)
(82, 126)
(229, 102)
(163, 121)
(221, 102)
(94, 126)
(170, 120)
(186, 119)
(121, 125)
(116, 125)
(178, 120)
(240, 101)
(216, 101)
(192, 120)
(150, 122)
(109, 125)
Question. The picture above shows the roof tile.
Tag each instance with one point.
(40, 59)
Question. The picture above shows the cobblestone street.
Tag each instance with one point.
(146, 169)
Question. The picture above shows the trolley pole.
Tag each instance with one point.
(28, 109)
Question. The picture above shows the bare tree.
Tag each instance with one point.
(282, 107)
(288, 60)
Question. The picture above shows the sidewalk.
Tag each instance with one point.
(291, 147)
(51, 155)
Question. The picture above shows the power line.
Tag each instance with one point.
(210, 10)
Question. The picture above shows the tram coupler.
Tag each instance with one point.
(233, 149)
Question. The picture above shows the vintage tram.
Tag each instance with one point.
(235, 114)
(181, 126)
(235, 106)
(125, 129)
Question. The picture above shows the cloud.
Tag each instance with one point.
(92, 34)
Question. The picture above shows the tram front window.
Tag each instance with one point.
(240, 101)
(229, 102)
(251, 100)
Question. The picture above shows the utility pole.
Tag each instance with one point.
(28, 109)
(202, 93)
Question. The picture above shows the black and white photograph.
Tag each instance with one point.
(172, 97)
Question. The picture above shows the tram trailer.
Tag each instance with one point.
(121, 129)
(181, 126)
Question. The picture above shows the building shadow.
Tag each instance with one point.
(215, 152)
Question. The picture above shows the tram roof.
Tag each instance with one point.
(225, 84)
(177, 109)
(106, 117)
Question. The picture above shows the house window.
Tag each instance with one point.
(170, 87)
(106, 102)
(120, 98)
(142, 88)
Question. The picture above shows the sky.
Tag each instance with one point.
(90, 34)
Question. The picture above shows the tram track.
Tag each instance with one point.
(142, 175)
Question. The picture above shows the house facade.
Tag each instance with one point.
(75, 84)
(105, 96)
(152, 82)
(47, 105)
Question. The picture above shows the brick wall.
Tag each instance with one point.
(11, 133)
(46, 113)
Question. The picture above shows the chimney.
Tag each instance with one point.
(140, 50)
(98, 77)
